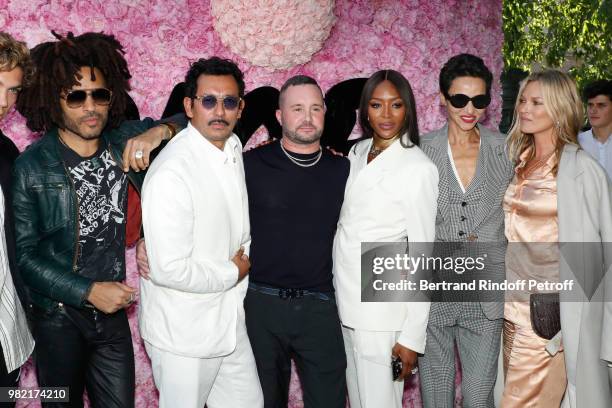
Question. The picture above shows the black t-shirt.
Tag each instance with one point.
(101, 191)
(294, 212)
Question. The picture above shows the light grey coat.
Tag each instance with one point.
(584, 205)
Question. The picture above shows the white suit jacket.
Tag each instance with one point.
(195, 217)
(391, 199)
(584, 203)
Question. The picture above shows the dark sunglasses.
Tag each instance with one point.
(76, 98)
(460, 100)
(210, 101)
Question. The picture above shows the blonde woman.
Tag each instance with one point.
(559, 194)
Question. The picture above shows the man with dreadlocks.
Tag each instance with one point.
(69, 199)
(16, 342)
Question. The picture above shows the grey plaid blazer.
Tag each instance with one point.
(494, 172)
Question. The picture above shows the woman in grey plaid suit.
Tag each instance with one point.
(474, 173)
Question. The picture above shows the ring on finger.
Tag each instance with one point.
(138, 154)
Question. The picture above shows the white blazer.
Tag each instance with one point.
(195, 217)
(391, 199)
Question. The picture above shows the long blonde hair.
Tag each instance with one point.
(561, 101)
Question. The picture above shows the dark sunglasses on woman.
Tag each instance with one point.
(460, 100)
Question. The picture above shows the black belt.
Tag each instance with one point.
(288, 293)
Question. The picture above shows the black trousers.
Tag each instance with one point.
(7, 379)
(306, 329)
(85, 349)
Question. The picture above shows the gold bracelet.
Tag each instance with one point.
(171, 128)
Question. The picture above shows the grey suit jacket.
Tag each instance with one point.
(584, 205)
(494, 172)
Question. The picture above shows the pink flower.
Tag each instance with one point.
(199, 41)
(391, 58)
(277, 38)
(4, 17)
(88, 8)
(384, 19)
(115, 10)
(138, 23)
(360, 12)
(24, 9)
(260, 135)
(170, 34)
(35, 36)
(15, 128)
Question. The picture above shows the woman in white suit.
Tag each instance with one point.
(559, 195)
(390, 196)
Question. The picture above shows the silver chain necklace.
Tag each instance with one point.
(300, 162)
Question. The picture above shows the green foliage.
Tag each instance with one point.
(573, 35)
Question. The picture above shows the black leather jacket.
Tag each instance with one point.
(46, 217)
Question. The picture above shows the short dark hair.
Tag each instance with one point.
(212, 66)
(297, 80)
(596, 88)
(464, 65)
(403, 87)
(57, 69)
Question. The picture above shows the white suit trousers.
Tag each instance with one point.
(221, 382)
(368, 373)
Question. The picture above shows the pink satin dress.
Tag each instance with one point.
(533, 378)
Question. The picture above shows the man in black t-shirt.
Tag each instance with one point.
(295, 190)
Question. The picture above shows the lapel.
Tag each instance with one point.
(482, 164)
(569, 196)
(227, 182)
(484, 176)
(438, 154)
(365, 176)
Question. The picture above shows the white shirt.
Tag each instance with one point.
(452, 162)
(602, 152)
(15, 338)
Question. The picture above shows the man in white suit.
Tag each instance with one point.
(195, 216)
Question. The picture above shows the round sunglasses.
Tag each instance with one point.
(460, 100)
(210, 101)
(77, 97)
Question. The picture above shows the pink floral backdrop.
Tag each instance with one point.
(162, 37)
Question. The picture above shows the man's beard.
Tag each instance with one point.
(297, 138)
(72, 126)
